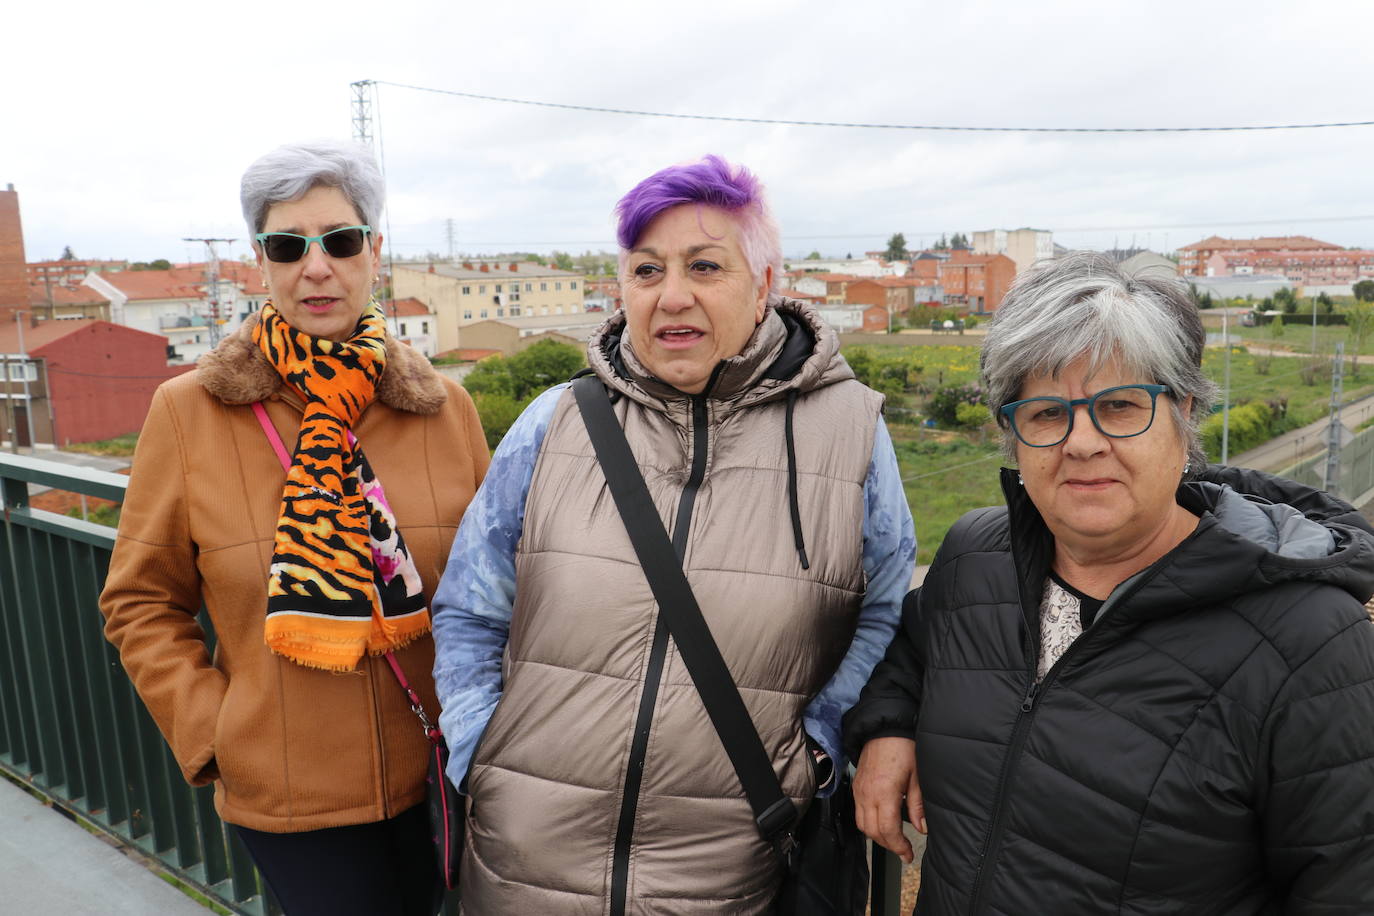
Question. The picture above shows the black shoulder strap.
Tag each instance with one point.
(773, 811)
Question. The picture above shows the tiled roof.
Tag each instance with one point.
(1265, 243)
(64, 295)
(408, 307)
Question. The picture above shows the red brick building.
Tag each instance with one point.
(976, 281)
(14, 284)
(1302, 268)
(1192, 259)
(69, 273)
(87, 379)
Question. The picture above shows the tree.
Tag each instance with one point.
(942, 244)
(542, 365)
(896, 247)
(1276, 327)
(1326, 302)
(814, 256)
(959, 242)
(1359, 322)
(1287, 300)
(159, 264)
(67, 254)
(1364, 291)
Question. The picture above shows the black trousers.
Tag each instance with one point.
(362, 870)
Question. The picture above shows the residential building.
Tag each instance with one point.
(82, 380)
(1334, 271)
(511, 335)
(14, 284)
(925, 265)
(473, 291)
(790, 293)
(69, 273)
(174, 303)
(845, 318)
(414, 323)
(830, 287)
(47, 301)
(1024, 246)
(976, 281)
(1193, 259)
(856, 267)
(895, 294)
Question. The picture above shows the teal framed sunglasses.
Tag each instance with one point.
(285, 247)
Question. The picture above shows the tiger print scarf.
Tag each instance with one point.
(342, 582)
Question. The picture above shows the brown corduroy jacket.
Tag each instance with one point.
(289, 748)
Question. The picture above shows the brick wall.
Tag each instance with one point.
(14, 287)
(102, 380)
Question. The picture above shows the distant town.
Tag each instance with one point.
(84, 343)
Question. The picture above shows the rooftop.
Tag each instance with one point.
(471, 270)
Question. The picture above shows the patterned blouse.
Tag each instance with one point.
(1061, 622)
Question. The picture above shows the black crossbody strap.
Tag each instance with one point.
(773, 811)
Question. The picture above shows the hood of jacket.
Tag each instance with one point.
(791, 349)
(238, 372)
(1255, 531)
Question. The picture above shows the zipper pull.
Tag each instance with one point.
(1029, 702)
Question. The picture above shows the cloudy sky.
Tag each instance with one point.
(126, 126)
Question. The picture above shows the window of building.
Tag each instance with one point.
(498, 287)
(545, 310)
(484, 313)
(500, 313)
(21, 371)
(558, 285)
(515, 311)
(529, 287)
(482, 288)
(543, 287)
(515, 297)
(424, 327)
(467, 314)
(572, 284)
(467, 291)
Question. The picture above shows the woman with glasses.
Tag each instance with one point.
(303, 485)
(1146, 685)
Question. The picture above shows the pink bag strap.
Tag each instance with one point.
(431, 730)
(277, 445)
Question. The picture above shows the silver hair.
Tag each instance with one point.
(1084, 305)
(289, 172)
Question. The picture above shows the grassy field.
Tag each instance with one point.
(118, 447)
(947, 473)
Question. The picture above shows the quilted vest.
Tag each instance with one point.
(600, 785)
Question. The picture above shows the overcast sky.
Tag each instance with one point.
(126, 126)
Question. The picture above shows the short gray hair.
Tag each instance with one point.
(1084, 305)
(290, 171)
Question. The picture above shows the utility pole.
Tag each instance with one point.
(1332, 483)
(362, 112)
(24, 375)
(1314, 327)
(212, 285)
(1226, 388)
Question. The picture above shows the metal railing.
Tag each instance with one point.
(1356, 469)
(73, 729)
(71, 726)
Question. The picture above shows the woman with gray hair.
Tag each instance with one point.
(1146, 685)
(303, 484)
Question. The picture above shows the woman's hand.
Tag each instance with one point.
(887, 774)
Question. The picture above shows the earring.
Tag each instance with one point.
(1020, 481)
(1187, 466)
(376, 280)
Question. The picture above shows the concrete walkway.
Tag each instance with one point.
(49, 864)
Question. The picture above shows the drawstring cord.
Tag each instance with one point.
(792, 481)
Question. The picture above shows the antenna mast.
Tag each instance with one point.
(212, 286)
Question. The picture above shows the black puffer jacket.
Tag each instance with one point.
(1207, 746)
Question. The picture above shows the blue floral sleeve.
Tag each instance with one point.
(472, 606)
(889, 557)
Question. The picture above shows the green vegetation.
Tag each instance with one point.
(98, 515)
(118, 447)
(944, 475)
(896, 248)
(501, 387)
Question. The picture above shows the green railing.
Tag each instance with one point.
(71, 726)
(73, 729)
(1356, 469)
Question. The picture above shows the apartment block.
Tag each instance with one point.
(1193, 259)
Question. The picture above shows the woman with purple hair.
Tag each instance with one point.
(596, 780)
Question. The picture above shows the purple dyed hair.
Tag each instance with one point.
(715, 183)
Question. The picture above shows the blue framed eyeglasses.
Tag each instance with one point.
(1120, 412)
(285, 247)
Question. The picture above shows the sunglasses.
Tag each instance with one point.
(285, 247)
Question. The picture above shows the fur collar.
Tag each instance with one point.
(237, 372)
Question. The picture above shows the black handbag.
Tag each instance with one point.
(445, 804)
(826, 869)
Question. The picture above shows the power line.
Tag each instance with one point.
(599, 109)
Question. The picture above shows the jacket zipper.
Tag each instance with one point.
(1024, 719)
(653, 674)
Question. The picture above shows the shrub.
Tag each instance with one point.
(943, 405)
(1251, 424)
(972, 416)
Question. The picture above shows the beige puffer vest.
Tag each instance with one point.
(600, 785)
